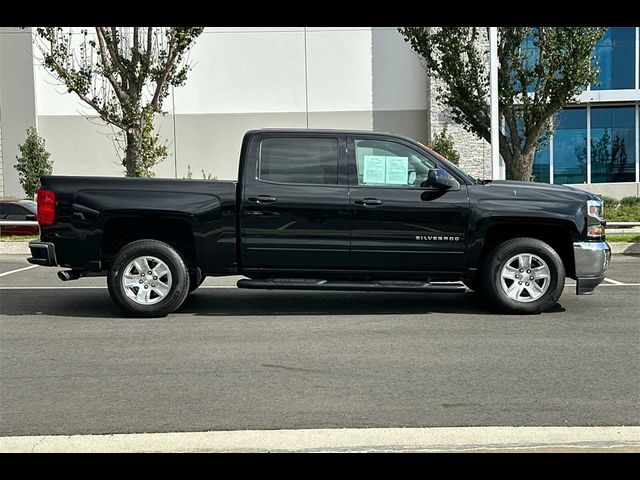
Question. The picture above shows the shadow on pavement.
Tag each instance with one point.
(232, 302)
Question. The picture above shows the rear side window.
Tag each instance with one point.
(299, 160)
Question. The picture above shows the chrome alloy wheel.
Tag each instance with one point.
(146, 280)
(525, 277)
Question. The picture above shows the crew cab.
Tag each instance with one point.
(325, 210)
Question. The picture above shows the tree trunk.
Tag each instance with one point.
(521, 165)
(133, 158)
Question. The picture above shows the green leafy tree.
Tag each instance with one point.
(443, 144)
(540, 70)
(33, 162)
(124, 74)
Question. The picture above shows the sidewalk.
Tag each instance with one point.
(436, 439)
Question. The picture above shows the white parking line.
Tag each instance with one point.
(18, 270)
(615, 282)
(439, 439)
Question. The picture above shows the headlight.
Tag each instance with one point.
(595, 220)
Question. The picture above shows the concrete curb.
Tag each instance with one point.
(22, 248)
(15, 248)
(625, 248)
(438, 439)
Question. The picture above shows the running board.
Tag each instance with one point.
(375, 286)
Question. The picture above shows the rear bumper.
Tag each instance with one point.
(592, 260)
(43, 253)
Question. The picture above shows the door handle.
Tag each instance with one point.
(369, 202)
(263, 199)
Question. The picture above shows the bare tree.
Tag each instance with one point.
(124, 74)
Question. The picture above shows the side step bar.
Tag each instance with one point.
(375, 286)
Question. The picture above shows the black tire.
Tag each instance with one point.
(501, 254)
(179, 286)
(194, 283)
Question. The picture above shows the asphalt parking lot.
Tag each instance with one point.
(233, 359)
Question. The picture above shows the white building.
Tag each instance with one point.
(332, 77)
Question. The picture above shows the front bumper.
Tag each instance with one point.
(591, 260)
(43, 253)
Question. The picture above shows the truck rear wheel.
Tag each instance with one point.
(524, 275)
(148, 278)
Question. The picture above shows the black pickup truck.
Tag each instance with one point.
(325, 210)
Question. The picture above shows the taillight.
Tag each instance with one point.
(46, 207)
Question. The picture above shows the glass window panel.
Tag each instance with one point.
(541, 160)
(613, 155)
(388, 164)
(541, 164)
(531, 54)
(570, 146)
(615, 54)
(299, 160)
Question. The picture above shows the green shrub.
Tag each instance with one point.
(443, 144)
(625, 210)
(33, 162)
(610, 206)
(610, 201)
(630, 202)
(626, 214)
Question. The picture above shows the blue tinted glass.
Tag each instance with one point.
(541, 165)
(570, 146)
(531, 55)
(540, 171)
(613, 155)
(615, 54)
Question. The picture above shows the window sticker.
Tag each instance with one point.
(397, 171)
(374, 169)
(385, 170)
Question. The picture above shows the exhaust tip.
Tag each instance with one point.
(66, 275)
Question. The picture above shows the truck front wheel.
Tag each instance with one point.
(148, 278)
(524, 275)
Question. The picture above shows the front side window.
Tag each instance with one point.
(389, 164)
(299, 160)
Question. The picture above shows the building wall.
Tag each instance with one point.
(245, 78)
(475, 152)
(17, 101)
(1, 165)
(399, 86)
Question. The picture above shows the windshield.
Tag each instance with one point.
(470, 178)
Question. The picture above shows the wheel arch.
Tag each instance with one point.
(558, 234)
(119, 231)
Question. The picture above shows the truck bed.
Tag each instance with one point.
(91, 211)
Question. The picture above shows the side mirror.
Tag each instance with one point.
(31, 218)
(440, 179)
